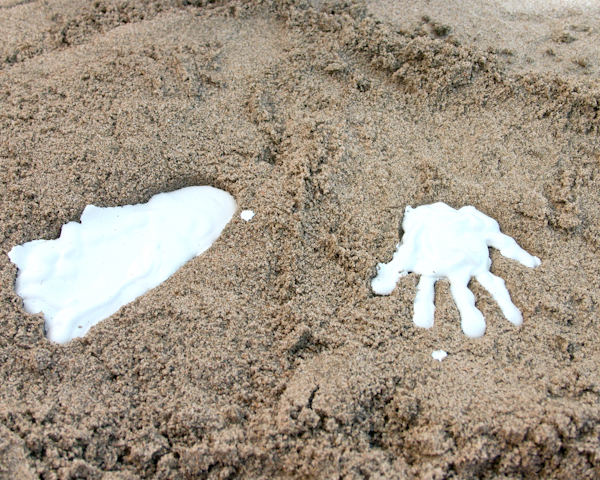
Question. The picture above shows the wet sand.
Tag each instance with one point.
(269, 356)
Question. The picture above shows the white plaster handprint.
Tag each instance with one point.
(441, 242)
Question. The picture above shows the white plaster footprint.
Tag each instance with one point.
(115, 255)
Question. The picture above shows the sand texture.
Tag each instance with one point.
(269, 356)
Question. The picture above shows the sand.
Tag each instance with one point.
(269, 356)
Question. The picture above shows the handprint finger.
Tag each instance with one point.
(510, 249)
(472, 321)
(388, 274)
(497, 288)
(424, 306)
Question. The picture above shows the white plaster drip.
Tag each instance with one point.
(439, 355)
(247, 215)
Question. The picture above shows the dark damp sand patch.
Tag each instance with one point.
(270, 356)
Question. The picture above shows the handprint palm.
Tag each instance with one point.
(441, 242)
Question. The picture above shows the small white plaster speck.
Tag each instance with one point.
(247, 215)
(439, 355)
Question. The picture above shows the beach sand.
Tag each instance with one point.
(269, 356)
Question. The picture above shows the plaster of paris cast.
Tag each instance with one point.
(115, 255)
(441, 242)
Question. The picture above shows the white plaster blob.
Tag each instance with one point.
(247, 215)
(439, 355)
(115, 255)
(442, 242)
